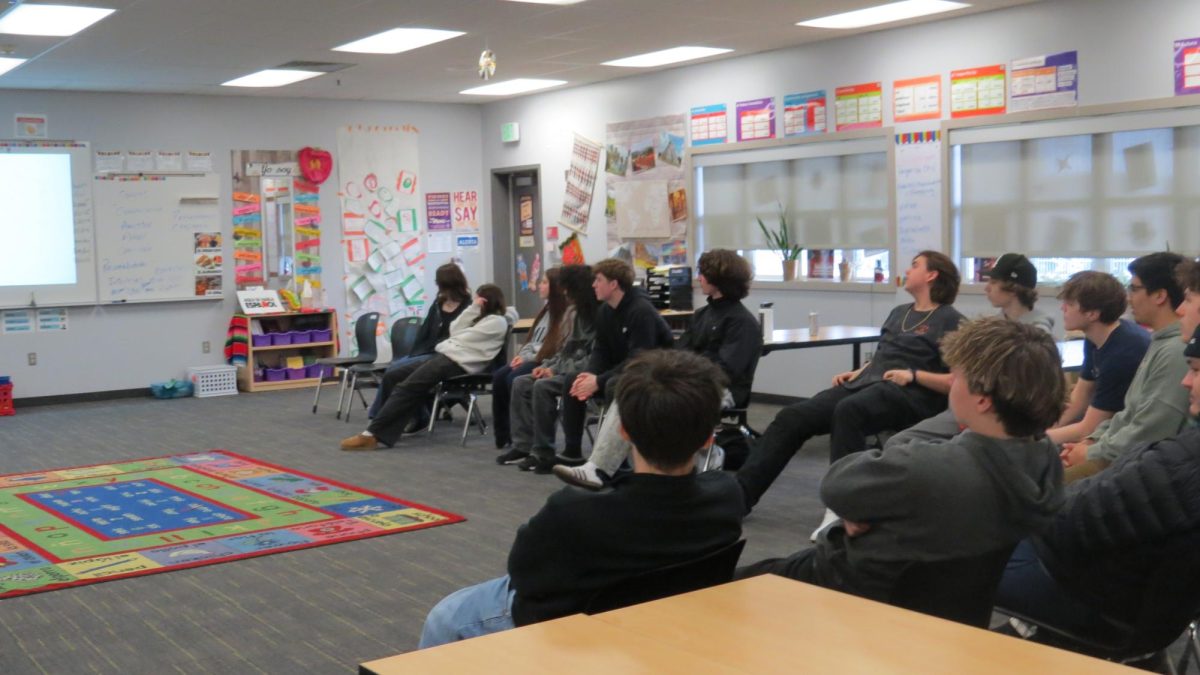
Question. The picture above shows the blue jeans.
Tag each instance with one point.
(382, 394)
(502, 382)
(469, 612)
(1028, 589)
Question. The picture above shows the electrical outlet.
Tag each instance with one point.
(33, 358)
(867, 356)
(206, 346)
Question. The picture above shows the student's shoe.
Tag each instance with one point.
(414, 425)
(528, 463)
(360, 442)
(570, 460)
(829, 519)
(513, 456)
(584, 476)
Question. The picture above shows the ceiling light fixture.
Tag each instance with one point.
(8, 63)
(872, 16)
(520, 85)
(665, 56)
(50, 20)
(271, 77)
(549, 2)
(398, 40)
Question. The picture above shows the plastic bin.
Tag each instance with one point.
(281, 339)
(297, 373)
(321, 335)
(320, 370)
(171, 389)
(274, 374)
(213, 380)
(301, 337)
(6, 398)
(261, 340)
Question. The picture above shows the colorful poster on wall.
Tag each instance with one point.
(756, 119)
(437, 211)
(709, 125)
(581, 183)
(859, 106)
(804, 113)
(647, 210)
(1187, 66)
(466, 210)
(1042, 82)
(525, 209)
(918, 98)
(572, 251)
(977, 91)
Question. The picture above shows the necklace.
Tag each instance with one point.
(905, 329)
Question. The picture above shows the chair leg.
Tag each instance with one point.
(317, 396)
(707, 458)
(352, 386)
(437, 402)
(1191, 650)
(342, 391)
(470, 415)
(479, 416)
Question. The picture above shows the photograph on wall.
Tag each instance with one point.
(616, 159)
(677, 198)
(642, 153)
(208, 284)
(670, 149)
(208, 241)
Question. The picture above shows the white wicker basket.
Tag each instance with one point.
(213, 380)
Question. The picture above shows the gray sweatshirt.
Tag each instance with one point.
(1155, 403)
(1037, 319)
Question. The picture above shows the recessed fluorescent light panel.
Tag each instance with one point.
(271, 78)
(549, 2)
(398, 40)
(665, 56)
(509, 87)
(8, 63)
(52, 20)
(896, 11)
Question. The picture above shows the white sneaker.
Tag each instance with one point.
(829, 519)
(584, 476)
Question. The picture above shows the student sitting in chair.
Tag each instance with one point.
(1188, 311)
(724, 331)
(987, 488)
(476, 337)
(1114, 530)
(663, 513)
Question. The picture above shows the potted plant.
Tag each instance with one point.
(780, 241)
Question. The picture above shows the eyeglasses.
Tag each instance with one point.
(1134, 288)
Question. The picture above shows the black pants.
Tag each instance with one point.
(574, 416)
(799, 566)
(502, 382)
(408, 388)
(848, 416)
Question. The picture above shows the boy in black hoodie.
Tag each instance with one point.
(988, 487)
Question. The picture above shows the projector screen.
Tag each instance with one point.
(37, 224)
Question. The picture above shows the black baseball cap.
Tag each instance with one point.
(1192, 350)
(1016, 268)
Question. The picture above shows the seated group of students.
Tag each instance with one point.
(991, 451)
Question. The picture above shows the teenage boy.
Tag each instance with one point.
(1155, 407)
(1093, 302)
(903, 384)
(724, 331)
(626, 324)
(1113, 531)
(1188, 311)
(662, 514)
(989, 487)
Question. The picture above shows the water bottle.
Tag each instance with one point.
(879, 271)
(766, 317)
(814, 324)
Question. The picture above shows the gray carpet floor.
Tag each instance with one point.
(318, 610)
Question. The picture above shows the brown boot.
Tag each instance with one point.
(360, 442)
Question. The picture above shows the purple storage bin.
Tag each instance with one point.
(296, 373)
(281, 339)
(258, 375)
(301, 337)
(320, 370)
(321, 335)
(261, 340)
(275, 374)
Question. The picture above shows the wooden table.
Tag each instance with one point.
(827, 336)
(762, 625)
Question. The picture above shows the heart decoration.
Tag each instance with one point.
(315, 164)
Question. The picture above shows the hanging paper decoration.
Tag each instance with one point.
(315, 164)
(307, 221)
(572, 250)
(487, 64)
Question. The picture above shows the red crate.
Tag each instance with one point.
(6, 400)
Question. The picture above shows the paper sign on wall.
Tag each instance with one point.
(977, 91)
(859, 106)
(918, 98)
(260, 302)
(1187, 66)
(708, 124)
(1047, 81)
(804, 113)
(756, 119)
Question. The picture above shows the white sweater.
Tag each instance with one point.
(474, 347)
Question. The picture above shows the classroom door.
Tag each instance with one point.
(518, 259)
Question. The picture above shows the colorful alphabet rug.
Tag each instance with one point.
(84, 525)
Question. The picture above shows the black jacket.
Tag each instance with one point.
(431, 331)
(729, 335)
(623, 332)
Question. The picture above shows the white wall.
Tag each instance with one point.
(1125, 52)
(111, 348)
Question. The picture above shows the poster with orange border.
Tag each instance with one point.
(977, 91)
(859, 106)
(918, 98)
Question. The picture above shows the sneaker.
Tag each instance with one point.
(584, 476)
(570, 460)
(528, 463)
(360, 442)
(414, 425)
(829, 519)
(513, 456)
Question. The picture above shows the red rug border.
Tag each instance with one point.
(452, 518)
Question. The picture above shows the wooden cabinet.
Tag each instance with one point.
(302, 334)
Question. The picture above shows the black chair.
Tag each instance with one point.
(364, 338)
(711, 569)
(465, 390)
(403, 337)
(957, 589)
(1192, 648)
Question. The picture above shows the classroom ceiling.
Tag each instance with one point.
(191, 46)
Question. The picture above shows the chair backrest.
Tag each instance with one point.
(708, 570)
(364, 337)
(958, 589)
(1172, 598)
(404, 335)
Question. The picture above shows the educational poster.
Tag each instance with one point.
(756, 119)
(1187, 66)
(859, 106)
(646, 208)
(15, 321)
(196, 161)
(525, 220)
(378, 177)
(51, 320)
(709, 125)
(977, 91)
(209, 263)
(29, 126)
(306, 219)
(466, 210)
(257, 175)
(168, 161)
(1042, 82)
(918, 195)
(581, 184)
(804, 113)
(437, 211)
(139, 161)
(109, 161)
(918, 98)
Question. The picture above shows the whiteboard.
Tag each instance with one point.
(918, 196)
(83, 291)
(153, 235)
